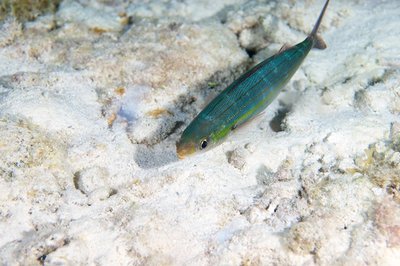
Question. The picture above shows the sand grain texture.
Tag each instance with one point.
(94, 96)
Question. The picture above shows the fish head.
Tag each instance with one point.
(196, 138)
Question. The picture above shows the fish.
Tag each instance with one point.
(247, 96)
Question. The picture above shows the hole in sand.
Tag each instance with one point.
(276, 123)
(251, 52)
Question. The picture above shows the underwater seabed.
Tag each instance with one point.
(95, 94)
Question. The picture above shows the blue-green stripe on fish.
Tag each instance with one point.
(246, 97)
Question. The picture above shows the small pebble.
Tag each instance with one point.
(238, 158)
(395, 159)
(395, 132)
(99, 195)
(256, 214)
(90, 179)
(250, 147)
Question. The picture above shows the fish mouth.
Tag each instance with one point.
(184, 150)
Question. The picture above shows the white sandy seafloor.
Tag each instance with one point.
(93, 99)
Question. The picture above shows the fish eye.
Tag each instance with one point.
(203, 144)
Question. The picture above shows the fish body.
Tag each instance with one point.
(246, 97)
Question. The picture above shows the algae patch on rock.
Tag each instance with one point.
(95, 93)
(381, 163)
(26, 10)
(24, 146)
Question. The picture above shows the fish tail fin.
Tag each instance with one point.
(318, 41)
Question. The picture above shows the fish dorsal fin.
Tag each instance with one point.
(284, 48)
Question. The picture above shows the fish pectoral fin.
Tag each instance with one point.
(242, 124)
(284, 48)
(319, 43)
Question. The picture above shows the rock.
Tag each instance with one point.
(237, 158)
(95, 94)
(91, 179)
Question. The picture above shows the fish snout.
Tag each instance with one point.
(185, 149)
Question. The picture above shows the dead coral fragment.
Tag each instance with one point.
(10, 29)
(158, 112)
(26, 10)
(387, 218)
(382, 163)
(120, 91)
(303, 238)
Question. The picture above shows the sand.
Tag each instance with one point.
(94, 97)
